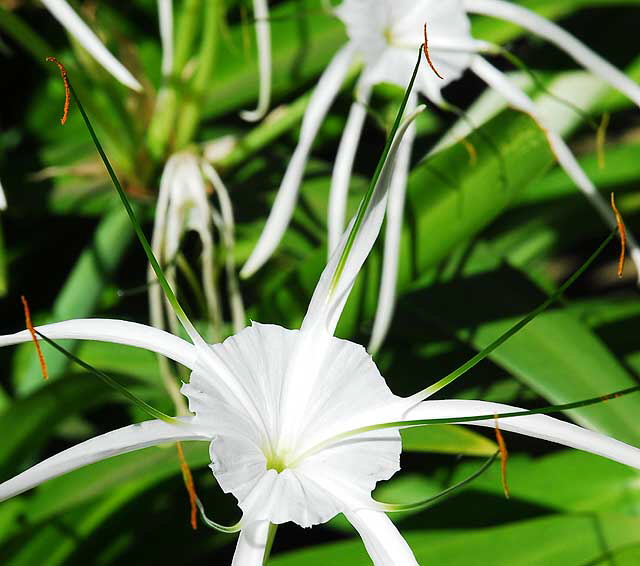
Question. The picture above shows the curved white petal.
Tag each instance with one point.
(564, 40)
(282, 208)
(65, 14)
(226, 225)
(116, 331)
(120, 441)
(252, 544)
(517, 98)
(263, 37)
(3, 198)
(327, 303)
(395, 211)
(165, 21)
(343, 166)
(537, 426)
(381, 538)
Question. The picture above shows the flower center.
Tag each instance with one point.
(277, 463)
(388, 35)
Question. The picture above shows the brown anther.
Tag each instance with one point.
(504, 455)
(67, 90)
(623, 235)
(471, 150)
(425, 48)
(188, 483)
(32, 331)
(601, 138)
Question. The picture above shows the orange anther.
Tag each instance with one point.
(188, 483)
(504, 455)
(623, 235)
(425, 48)
(67, 91)
(32, 331)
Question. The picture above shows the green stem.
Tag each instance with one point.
(364, 205)
(164, 115)
(270, 538)
(191, 111)
(464, 368)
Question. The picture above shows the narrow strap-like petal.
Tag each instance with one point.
(282, 209)
(3, 199)
(81, 31)
(252, 544)
(537, 426)
(263, 38)
(555, 34)
(343, 166)
(519, 100)
(120, 441)
(116, 331)
(165, 21)
(395, 213)
(381, 538)
(330, 296)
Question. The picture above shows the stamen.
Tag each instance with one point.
(188, 483)
(67, 92)
(32, 331)
(427, 56)
(623, 235)
(601, 138)
(471, 150)
(504, 455)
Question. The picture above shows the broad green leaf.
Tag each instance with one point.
(539, 542)
(79, 295)
(446, 439)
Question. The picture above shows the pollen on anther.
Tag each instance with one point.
(29, 324)
(504, 455)
(67, 90)
(623, 235)
(425, 48)
(188, 483)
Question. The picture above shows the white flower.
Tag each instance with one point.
(279, 407)
(183, 205)
(385, 34)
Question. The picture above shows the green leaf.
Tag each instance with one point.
(78, 297)
(446, 439)
(539, 542)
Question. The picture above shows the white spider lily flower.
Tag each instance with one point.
(276, 405)
(65, 14)
(3, 198)
(384, 34)
(263, 39)
(183, 205)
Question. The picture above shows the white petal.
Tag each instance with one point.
(381, 538)
(226, 225)
(517, 98)
(263, 37)
(537, 426)
(555, 34)
(165, 20)
(251, 544)
(3, 199)
(81, 31)
(395, 213)
(343, 166)
(116, 331)
(120, 441)
(327, 304)
(282, 209)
